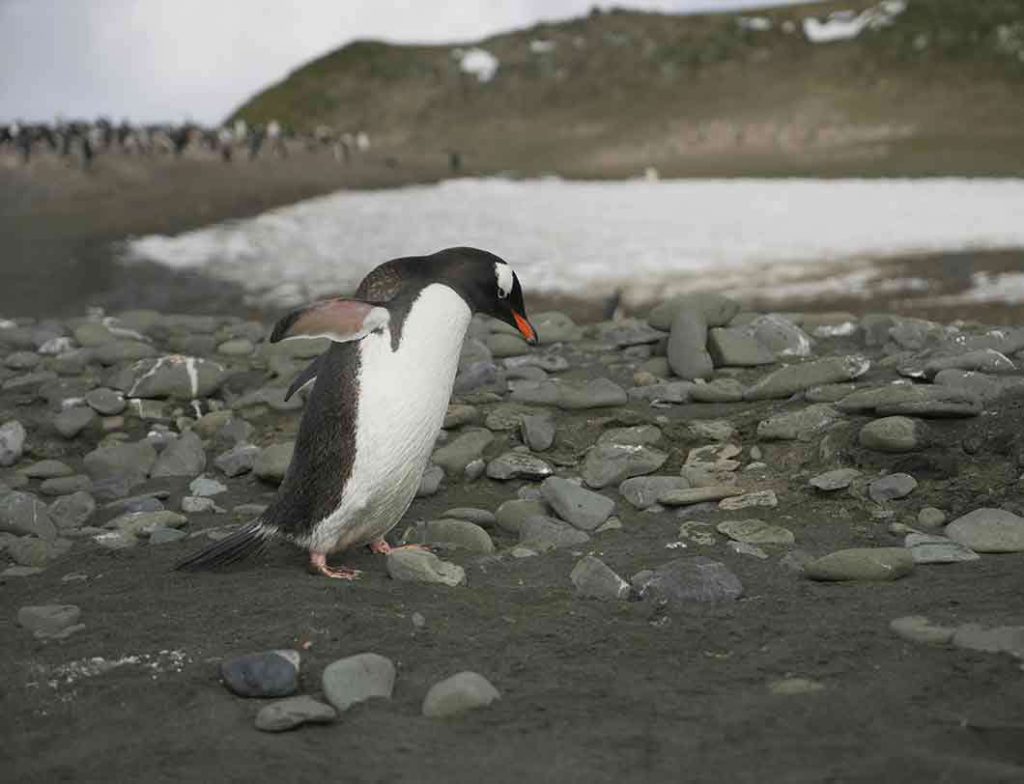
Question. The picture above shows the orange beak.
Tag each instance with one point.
(525, 329)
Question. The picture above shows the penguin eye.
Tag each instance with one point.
(502, 294)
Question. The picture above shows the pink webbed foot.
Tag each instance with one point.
(380, 547)
(318, 565)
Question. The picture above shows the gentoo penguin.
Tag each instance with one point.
(380, 396)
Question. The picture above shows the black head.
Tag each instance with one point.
(486, 282)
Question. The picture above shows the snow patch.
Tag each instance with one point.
(847, 25)
(540, 46)
(477, 62)
(599, 236)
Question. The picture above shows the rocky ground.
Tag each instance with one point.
(709, 545)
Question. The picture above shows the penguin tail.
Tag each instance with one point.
(246, 541)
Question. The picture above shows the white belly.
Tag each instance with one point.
(403, 396)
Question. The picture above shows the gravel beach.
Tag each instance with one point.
(706, 542)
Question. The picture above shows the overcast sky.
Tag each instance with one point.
(154, 60)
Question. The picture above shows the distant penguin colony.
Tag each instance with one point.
(378, 401)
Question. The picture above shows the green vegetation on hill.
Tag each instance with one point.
(940, 89)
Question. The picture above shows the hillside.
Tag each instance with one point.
(929, 86)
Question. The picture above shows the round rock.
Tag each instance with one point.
(358, 678)
(893, 434)
(988, 531)
(461, 692)
(267, 674)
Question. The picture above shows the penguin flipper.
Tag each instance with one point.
(246, 541)
(307, 374)
(340, 320)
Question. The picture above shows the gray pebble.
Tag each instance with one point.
(267, 674)
(457, 694)
(419, 566)
(594, 579)
(891, 487)
(893, 434)
(862, 563)
(685, 580)
(988, 531)
(354, 679)
(518, 465)
(292, 712)
(582, 508)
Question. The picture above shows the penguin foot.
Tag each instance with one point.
(318, 565)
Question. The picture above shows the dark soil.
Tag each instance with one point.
(591, 691)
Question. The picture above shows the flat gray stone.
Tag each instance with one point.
(451, 533)
(65, 485)
(23, 514)
(917, 628)
(737, 347)
(482, 517)
(780, 336)
(685, 580)
(930, 549)
(176, 377)
(720, 390)
(184, 456)
(987, 388)
(518, 465)
(47, 469)
(644, 491)
(545, 533)
(698, 495)
(354, 679)
(988, 531)
(862, 563)
(607, 464)
(419, 566)
(461, 692)
(661, 393)
(716, 309)
(795, 378)
(596, 580)
(238, 460)
(287, 714)
(571, 395)
(802, 425)
(893, 434)
(912, 400)
(144, 523)
(468, 446)
(273, 461)
(104, 401)
(891, 487)
(582, 508)
(72, 421)
(511, 514)
(755, 532)
(837, 479)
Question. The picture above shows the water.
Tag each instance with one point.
(591, 237)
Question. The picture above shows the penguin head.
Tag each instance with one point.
(486, 283)
(489, 285)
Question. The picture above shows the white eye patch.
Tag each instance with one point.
(505, 277)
